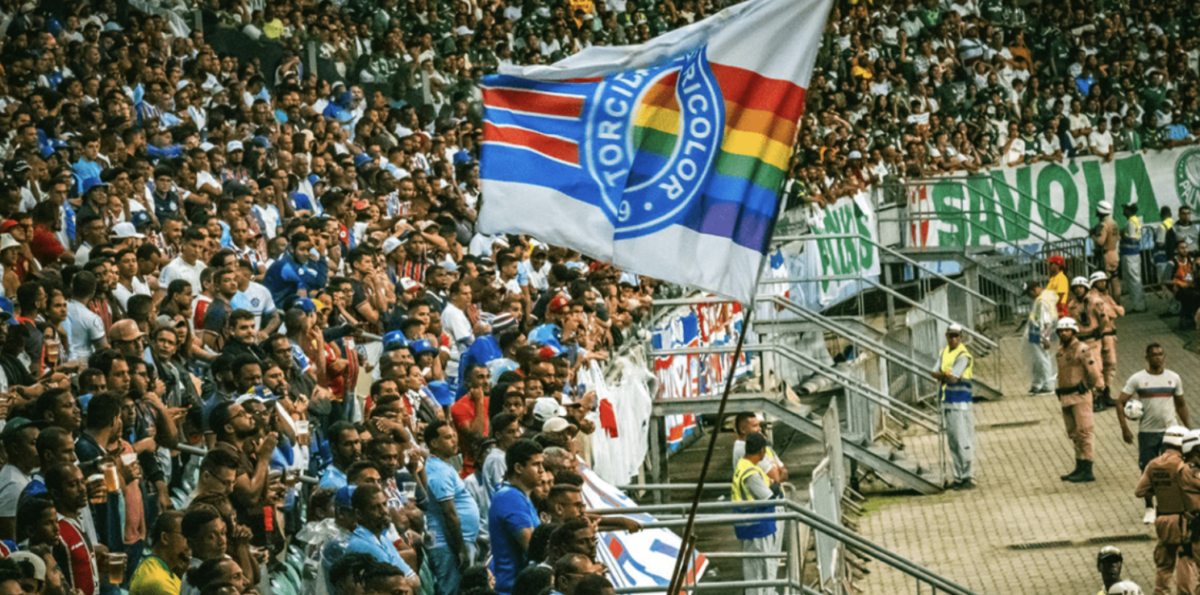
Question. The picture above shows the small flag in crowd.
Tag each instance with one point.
(664, 158)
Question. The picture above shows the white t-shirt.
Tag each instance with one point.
(124, 293)
(1101, 141)
(458, 326)
(1157, 395)
(12, 482)
(83, 328)
(270, 219)
(178, 269)
(256, 299)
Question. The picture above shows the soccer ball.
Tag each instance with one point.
(1133, 410)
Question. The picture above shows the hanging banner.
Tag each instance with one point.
(694, 375)
(642, 559)
(999, 205)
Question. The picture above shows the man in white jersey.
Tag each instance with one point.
(1161, 393)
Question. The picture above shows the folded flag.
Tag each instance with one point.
(664, 158)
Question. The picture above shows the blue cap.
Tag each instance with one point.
(343, 498)
(6, 308)
(422, 346)
(360, 159)
(263, 142)
(441, 393)
(83, 402)
(394, 340)
(306, 305)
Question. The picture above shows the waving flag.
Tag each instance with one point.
(664, 158)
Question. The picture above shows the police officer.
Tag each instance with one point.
(1043, 318)
(1078, 375)
(1108, 331)
(953, 371)
(1107, 235)
(1087, 310)
(1131, 258)
(1109, 562)
(1167, 477)
(751, 483)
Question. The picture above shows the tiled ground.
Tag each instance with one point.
(966, 536)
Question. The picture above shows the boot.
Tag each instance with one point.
(1084, 475)
(1074, 472)
(1099, 403)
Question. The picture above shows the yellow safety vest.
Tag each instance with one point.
(739, 493)
(957, 392)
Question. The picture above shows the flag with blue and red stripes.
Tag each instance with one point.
(665, 158)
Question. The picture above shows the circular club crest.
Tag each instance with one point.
(652, 141)
(1187, 178)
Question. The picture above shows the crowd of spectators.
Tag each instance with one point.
(220, 283)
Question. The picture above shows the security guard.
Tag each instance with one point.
(1108, 332)
(1058, 283)
(1107, 235)
(1078, 375)
(1167, 477)
(1131, 258)
(1043, 318)
(751, 483)
(953, 371)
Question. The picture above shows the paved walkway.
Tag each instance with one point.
(969, 536)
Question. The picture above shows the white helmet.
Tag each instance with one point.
(1098, 276)
(1174, 436)
(1067, 322)
(1104, 207)
(1133, 410)
(1080, 281)
(1125, 588)
(1190, 440)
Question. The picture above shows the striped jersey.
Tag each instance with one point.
(1157, 392)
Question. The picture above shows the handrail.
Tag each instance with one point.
(871, 393)
(837, 328)
(816, 522)
(851, 236)
(915, 304)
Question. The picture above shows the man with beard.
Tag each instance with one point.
(370, 537)
(346, 445)
(160, 573)
(232, 426)
(239, 336)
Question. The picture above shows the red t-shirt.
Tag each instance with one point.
(463, 413)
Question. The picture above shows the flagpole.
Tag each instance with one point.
(688, 543)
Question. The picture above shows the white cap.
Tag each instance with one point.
(546, 407)
(1098, 276)
(1080, 281)
(126, 230)
(464, 30)
(556, 424)
(1125, 588)
(1067, 322)
(1174, 436)
(390, 245)
(233, 145)
(1190, 440)
(854, 155)
(954, 329)
(39, 565)
(206, 147)
(1104, 207)
(7, 241)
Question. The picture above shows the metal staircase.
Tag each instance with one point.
(883, 459)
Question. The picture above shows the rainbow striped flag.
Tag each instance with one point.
(665, 158)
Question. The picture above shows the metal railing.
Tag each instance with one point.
(794, 515)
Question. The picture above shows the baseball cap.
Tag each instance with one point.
(233, 145)
(394, 340)
(125, 230)
(557, 424)
(421, 346)
(17, 424)
(39, 565)
(546, 408)
(558, 303)
(306, 305)
(343, 499)
(1057, 259)
(441, 393)
(390, 245)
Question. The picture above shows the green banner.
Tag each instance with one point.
(1019, 204)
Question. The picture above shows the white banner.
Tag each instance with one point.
(642, 559)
